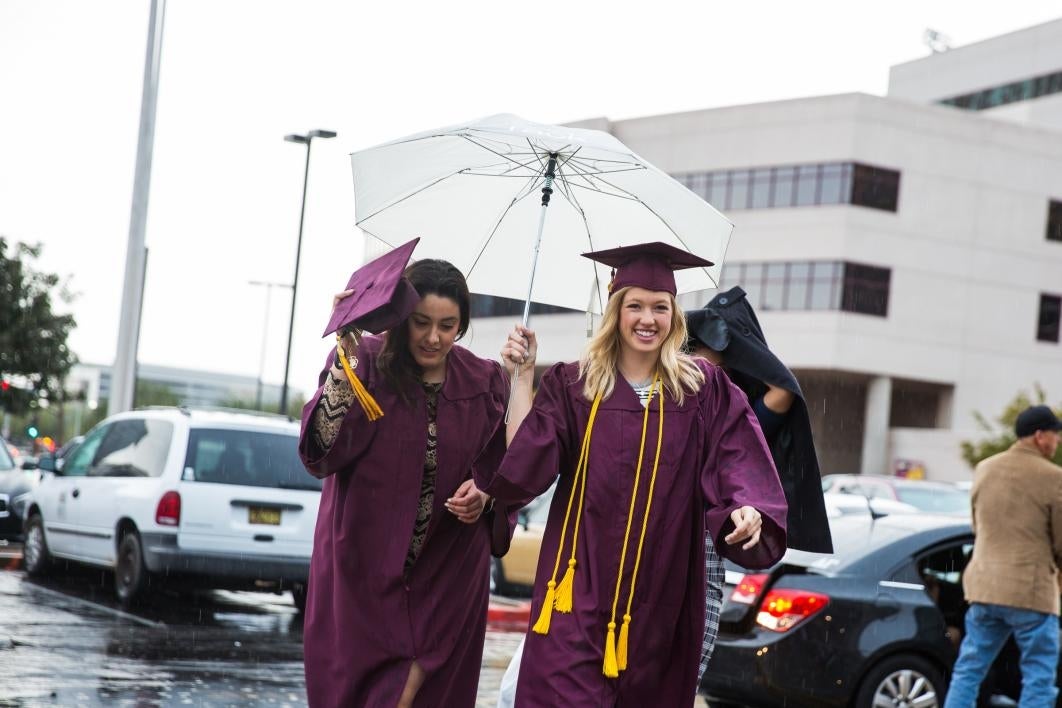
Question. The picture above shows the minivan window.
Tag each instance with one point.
(80, 460)
(133, 448)
(247, 457)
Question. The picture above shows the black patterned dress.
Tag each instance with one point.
(427, 484)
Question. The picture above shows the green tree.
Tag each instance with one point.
(1000, 431)
(34, 355)
(295, 404)
(154, 394)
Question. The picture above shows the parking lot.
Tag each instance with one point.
(66, 642)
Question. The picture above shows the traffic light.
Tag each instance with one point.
(32, 432)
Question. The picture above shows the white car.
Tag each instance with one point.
(208, 498)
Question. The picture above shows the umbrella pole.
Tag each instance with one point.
(547, 191)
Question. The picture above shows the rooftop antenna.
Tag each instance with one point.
(938, 42)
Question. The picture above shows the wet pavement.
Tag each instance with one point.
(66, 642)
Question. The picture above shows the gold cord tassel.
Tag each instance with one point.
(624, 631)
(565, 589)
(611, 670)
(616, 660)
(621, 649)
(561, 598)
(542, 626)
(368, 404)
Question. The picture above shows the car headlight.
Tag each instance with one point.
(19, 504)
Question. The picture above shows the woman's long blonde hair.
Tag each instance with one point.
(598, 366)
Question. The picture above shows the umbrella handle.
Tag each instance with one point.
(547, 191)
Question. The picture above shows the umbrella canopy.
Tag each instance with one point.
(473, 194)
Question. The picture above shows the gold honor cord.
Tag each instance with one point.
(368, 404)
(621, 650)
(562, 599)
(616, 659)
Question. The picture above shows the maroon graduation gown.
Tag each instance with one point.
(713, 460)
(366, 621)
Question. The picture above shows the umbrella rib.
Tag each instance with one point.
(486, 241)
(677, 237)
(579, 173)
(592, 166)
(517, 163)
(574, 201)
(414, 193)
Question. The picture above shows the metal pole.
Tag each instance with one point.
(124, 372)
(295, 282)
(265, 329)
(261, 356)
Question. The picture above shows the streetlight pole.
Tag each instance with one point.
(304, 140)
(265, 328)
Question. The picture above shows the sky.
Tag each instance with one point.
(238, 75)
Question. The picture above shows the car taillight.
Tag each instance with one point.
(168, 512)
(749, 589)
(783, 609)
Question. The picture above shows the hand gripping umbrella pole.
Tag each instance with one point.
(547, 191)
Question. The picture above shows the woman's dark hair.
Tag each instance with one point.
(428, 277)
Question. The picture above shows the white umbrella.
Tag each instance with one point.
(477, 195)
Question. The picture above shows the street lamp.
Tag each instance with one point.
(265, 328)
(305, 140)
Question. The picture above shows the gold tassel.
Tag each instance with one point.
(564, 590)
(621, 649)
(542, 626)
(611, 670)
(368, 404)
(616, 660)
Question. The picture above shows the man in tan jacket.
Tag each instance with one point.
(1011, 582)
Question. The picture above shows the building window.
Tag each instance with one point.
(797, 185)
(812, 285)
(494, 306)
(1054, 221)
(875, 187)
(1050, 311)
(1025, 90)
(866, 290)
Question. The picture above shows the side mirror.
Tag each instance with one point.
(47, 463)
(29, 463)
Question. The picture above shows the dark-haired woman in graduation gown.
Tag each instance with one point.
(398, 589)
(650, 447)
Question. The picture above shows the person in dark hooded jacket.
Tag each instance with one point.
(727, 333)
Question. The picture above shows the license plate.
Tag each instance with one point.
(263, 515)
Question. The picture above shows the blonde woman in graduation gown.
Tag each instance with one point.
(650, 447)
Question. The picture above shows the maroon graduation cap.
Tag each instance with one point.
(647, 265)
(382, 297)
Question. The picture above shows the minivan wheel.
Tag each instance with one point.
(130, 574)
(902, 681)
(498, 585)
(298, 596)
(35, 556)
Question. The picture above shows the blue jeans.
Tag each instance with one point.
(987, 629)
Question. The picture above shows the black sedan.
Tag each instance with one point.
(15, 484)
(878, 623)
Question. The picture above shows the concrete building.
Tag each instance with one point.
(190, 387)
(904, 252)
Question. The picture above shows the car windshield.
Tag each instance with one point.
(538, 510)
(854, 538)
(943, 500)
(247, 457)
(6, 463)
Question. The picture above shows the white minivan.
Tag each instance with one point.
(207, 498)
